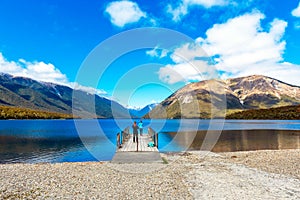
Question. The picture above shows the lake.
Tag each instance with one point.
(35, 141)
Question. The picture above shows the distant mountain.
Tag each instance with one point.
(138, 113)
(28, 93)
(251, 92)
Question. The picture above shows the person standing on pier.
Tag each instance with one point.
(135, 131)
(140, 125)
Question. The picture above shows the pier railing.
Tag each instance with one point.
(154, 135)
(122, 137)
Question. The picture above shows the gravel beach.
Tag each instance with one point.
(191, 175)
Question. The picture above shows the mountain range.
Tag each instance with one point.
(27, 93)
(140, 112)
(251, 92)
(195, 100)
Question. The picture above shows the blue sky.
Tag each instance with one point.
(48, 40)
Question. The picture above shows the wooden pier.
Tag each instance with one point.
(141, 145)
(139, 151)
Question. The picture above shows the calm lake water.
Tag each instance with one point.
(33, 141)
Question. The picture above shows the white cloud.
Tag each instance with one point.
(185, 5)
(87, 89)
(238, 47)
(190, 65)
(157, 52)
(187, 52)
(195, 70)
(41, 71)
(154, 101)
(124, 12)
(243, 47)
(296, 11)
(153, 52)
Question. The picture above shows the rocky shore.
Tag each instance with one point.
(191, 175)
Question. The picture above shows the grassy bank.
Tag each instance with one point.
(7, 112)
(280, 113)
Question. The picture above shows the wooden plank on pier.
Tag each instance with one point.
(128, 152)
(130, 146)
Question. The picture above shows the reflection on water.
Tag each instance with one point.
(234, 140)
(15, 149)
(33, 141)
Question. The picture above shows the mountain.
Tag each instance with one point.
(28, 93)
(251, 92)
(138, 113)
(263, 92)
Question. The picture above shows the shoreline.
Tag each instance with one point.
(271, 174)
(285, 162)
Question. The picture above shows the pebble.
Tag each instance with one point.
(193, 175)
